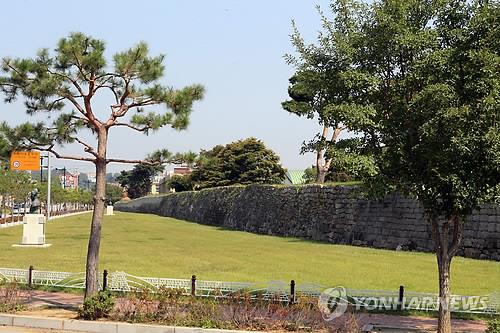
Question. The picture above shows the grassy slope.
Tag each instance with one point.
(148, 245)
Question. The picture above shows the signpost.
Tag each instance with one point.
(31, 161)
(33, 224)
(25, 160)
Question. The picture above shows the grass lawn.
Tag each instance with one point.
(149, 245)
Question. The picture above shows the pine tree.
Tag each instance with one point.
(71, 78)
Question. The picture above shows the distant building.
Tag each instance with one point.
(177, 171)
(294, 177)
(182, 170)
(155, 184)
(69, 181)
(91, 177)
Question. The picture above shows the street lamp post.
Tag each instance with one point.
(64, 175)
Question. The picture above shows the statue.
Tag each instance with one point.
(35, 202)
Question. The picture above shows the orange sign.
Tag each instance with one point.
(25, 160)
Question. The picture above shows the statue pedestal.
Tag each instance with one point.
(33, 231)
(109, 210)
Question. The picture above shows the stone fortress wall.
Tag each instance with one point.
(332, 214)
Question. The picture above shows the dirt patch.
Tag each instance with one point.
(50, 313)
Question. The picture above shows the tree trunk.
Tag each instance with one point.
(92, 269)
(11, 210)
(321, 167)
(444, 318)
(4, 212)
(445, 251)
(320, 174)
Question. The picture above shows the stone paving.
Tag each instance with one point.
(423, 323)
(40, 298)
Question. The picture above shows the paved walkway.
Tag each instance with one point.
(424, 323)
(40, 298)
(65, 300)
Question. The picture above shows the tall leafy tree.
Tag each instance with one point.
(138, 180)
(181, 183)
(327, 86)
(15, 186)
(428, 75)
(63, 85)
(242, 162)
(4, 148)
(438, 112)
(113, 193)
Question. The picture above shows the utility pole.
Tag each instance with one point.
(64, 175)
(48, 186)
(41, 169)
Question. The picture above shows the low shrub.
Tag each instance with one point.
(239, 311)
(493, 326)
(97, 306)
(12, 297)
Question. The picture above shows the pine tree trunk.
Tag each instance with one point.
(92, 269)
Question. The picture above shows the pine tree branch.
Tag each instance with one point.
(108, 74)
(60, 156)
(146, 102)
(76, 104)
(123, 109)
(91, 85)
(79, 66)
(89, 113)
(139, 129)
(104, 84)
(80, 118)
(110, 87)
(12, 85)
(118, 160)
(88, 148)
(69, 78)
(67, 157)
(126, 91)
(57, 100)
(19, 73)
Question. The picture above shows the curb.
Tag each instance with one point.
(69, 214)
(97, 326)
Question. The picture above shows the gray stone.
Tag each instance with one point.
(325, 213)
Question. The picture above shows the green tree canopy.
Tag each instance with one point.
(114, 193)
(181, 183)
(327, 87)
(138, 181)
(242, 162)
(15, 184)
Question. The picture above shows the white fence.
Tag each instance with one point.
(277, 290)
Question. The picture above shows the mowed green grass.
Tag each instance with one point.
(149, 245)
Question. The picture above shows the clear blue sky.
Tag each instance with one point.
(234, 48)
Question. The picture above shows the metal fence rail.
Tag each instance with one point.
(276, 290)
